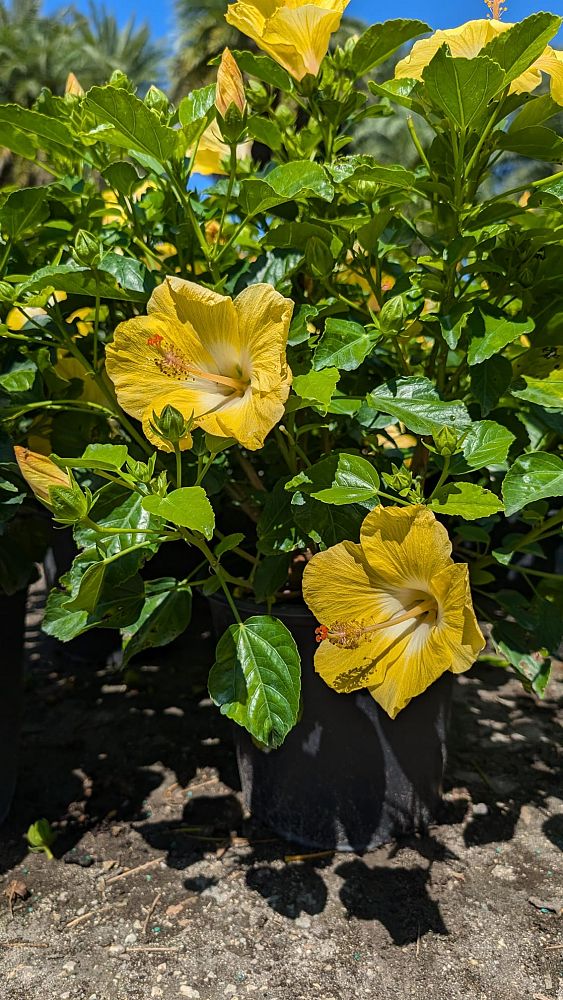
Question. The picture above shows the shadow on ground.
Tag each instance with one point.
(96, 745)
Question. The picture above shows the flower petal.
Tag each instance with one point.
(337, 586)
(551, 62)
(263, 320)
(405, 546)
(465, 42)
(300, 36)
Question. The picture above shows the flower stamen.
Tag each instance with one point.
(174, 364)
(350, 634)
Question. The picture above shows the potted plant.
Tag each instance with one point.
(336, 379)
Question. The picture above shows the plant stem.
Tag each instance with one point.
(443, 476)
(178, 455)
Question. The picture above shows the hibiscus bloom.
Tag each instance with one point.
(219, 361)
(467, 41)
(212, 154)
(295, 34)
(396, 610)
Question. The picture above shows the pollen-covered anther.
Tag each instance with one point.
(321, 633)
(346, 634)
(155, 340)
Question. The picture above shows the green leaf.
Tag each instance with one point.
(276, 527)
(317, 388)
(118, 507)
(76, 280)
(19, 377)
(462, 88)
(517, 48)
(466, 500)
(106, 457)
(491, 333)
(266, 131)
(166, 614)
(454, 323)
(536, 142)
(416, 402)
(187, 507)
(265, 69)
(489, 380)
(363, 167)
(289, 181)
(486, 443)
(24, 132)
(125, 121)
(340, 479)
(23, 211)
(532, 477)
(381, 40)
(513, 643)
(298, 234)
(271, 574)
(228, 542)
(344, 345)
(546, 392)
(256, 678)
(195, 106)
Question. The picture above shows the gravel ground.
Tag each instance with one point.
(163, 888)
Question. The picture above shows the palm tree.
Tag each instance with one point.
(105, 47)
(35, 51)
(201, 33)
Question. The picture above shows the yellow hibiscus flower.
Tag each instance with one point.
(396, 610)
(40, 473)
(218, 360)
(295, 34)
(467, 41)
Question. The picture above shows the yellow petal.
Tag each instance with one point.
(551, 62)
(295, 34)
(249, 418)
(68, 367)
(465, 42)
(39, 472)
(212, 154)
(263, 321)
(427, 650)
(405, 546)
(337, 585)
(17, 318)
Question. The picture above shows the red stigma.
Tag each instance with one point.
(155, 340)
(321, 633)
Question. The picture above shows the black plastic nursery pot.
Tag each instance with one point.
(12, 630)
(347, 777)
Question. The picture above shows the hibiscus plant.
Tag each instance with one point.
(331, 377)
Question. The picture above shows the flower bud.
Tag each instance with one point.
(156, 99)
(447, 441)
(392, 315)
(73, 87)
(40, 473)
(230, 86)
(172, 426)
(86, 249)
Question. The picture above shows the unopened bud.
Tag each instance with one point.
(447, 441)
(40, 473)
(156, 98)
(87, 249)
(171, 426)
(73, 86)
(392, 315)
(230, 86)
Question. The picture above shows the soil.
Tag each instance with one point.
(138, 777)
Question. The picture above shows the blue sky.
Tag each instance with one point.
(435, 12)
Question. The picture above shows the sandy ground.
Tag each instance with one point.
(163, 888)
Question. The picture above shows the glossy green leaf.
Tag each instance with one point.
(344, 345)
(491, 333)
(76, 280)
(25, 131)
(264, 68)
(532, 667)
(317, 388)
(296, 180)
(19, 377)
(546, 392)
(187, 507)
(489, 380)
(195, 106)
(166, 614)
(381, 40)
(532, 477)
(256, 678)
(228, 543)
(536, 142)
(105, 457)
(124, 120)
(23, 211)
(467, 500)
(462, 88)
(340, 479)
(271, 574)
(118, 507)
(416, 402)
(486, 443)
(518, 47)
(277, 531)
